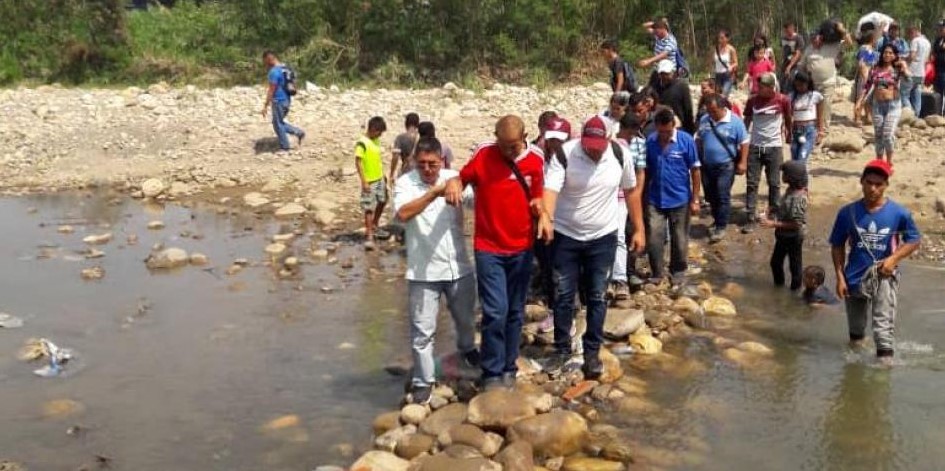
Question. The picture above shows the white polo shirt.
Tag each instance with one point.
(436, 248)
(586, 208)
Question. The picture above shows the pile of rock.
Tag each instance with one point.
(551, 419)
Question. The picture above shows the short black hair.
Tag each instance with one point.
(377, 124)
(630, 121)
(816, 273)
(804, 77)
(412, 120)
(874, 171)
(428, 144)
(636, 99)
(660, 23)
(791, 24)
(546, 116)
(610, 45)
(426, 129)
(664, 115)
(716, 99)
(267, 53)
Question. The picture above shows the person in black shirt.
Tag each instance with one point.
(622, 77)
(674, 93)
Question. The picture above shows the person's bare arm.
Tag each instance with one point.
(742, 166)
(417, 206)
(696, 177)
(839, 257)
(271, 92)
(360, 167)
(820, 121)
(889, 264)
(394, 160)
(618, 86)
(733, 57)
(634, 200)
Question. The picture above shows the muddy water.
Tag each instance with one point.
(815, 405)
(182, 370)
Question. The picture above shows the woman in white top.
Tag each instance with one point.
(808, 117)
(725, 63)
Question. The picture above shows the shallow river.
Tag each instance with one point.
(181, 370)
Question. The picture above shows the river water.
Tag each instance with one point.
(182, 370)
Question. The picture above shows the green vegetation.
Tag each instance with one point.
(380, 42)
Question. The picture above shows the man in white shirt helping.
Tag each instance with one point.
(580, 191)
(437, 263)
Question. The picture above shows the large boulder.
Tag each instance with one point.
(389, 440)
(168, 258)
(414, 414)
(444, 419)
(380, 461)
(620, 323)
(290, 210)
(152, 187)
(445, 462)
(517, 457)
(581, 463)
(844, 142)
(719, 307)
(385, 422)
(412, 446)
(935, 121)
(499, 409)
(646, 344)
(488, 444)
(612, 369)
(557, 433)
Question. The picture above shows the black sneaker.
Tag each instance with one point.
(471, 358)
(749, 227)
(421, 395)
(593, 368)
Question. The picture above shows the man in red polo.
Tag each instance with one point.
(507, 176)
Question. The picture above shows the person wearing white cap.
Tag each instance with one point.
(674, 93)
(579, 193)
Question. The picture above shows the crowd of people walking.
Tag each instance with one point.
(585, 207)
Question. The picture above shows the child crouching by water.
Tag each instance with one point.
(816, 292)
(789, 227)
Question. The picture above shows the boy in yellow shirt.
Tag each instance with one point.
(368, 159)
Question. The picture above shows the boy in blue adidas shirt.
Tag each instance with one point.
(879, 233)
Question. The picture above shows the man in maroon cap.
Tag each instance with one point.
(580, 185)
(555, 132)
(880, 233)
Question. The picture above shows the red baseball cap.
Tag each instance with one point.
(880, 165)
(558, 128)
(594, 136)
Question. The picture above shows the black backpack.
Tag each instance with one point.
(289, 83)
(563, 160)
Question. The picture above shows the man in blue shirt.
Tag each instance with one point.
(672, 189)
(723, 145)
(880, 233)
(278, 98)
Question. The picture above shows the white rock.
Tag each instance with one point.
(168, 258)
(156, 225)
(152, 187)
(255, 200)
(199, 259)
(98, 239)
(275, 249)
(290, 210)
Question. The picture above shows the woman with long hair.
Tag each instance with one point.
(808, 117)
(883, 85)
(725, 63)
(866, 58)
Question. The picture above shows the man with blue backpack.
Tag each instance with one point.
(282, 87)
(665, 47)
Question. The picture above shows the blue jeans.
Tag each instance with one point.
(914, 87)
(503, 285)
(723, 82)
(586, 264)
(279, 111)
(718, 180)
(802, 151)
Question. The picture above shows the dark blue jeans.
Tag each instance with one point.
(503, 285)
(588, 265)
(280, 109)
(718, 180)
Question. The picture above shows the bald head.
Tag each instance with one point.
(510, 136)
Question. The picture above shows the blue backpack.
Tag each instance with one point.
(682, 67)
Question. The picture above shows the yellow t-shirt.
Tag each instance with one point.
(370, 152)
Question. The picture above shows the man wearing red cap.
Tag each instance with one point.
(879, 233)
(579, 192)
(555, 132)
(508, 180)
